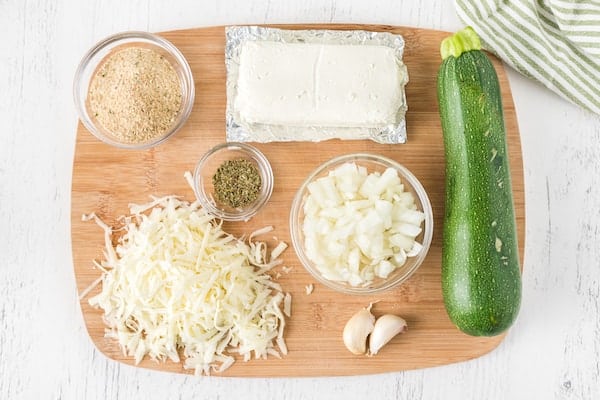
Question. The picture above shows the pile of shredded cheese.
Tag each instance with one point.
(176, 283)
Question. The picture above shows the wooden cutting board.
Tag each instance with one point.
(106, 180)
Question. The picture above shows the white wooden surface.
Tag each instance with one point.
(552, 352)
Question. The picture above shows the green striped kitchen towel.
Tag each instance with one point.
(556, 42)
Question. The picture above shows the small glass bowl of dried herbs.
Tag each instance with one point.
(233, 181)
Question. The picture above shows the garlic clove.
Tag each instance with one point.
(386, 327)
(358, 327)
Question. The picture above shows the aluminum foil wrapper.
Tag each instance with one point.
(235, 36)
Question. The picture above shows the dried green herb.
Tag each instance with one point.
(237, 183)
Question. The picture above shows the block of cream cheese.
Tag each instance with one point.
(314, 84)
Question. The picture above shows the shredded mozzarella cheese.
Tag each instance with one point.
(176, 283)
(280, 248)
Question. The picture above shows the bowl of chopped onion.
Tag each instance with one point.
(133, 90)
(361, 223)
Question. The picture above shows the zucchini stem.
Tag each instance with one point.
(461, 42)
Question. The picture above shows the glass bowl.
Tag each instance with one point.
(96, 58)
(210, 163)
(372, 163)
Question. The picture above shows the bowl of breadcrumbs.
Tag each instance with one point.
(134, 90)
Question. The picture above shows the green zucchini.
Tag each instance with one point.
(481, 276)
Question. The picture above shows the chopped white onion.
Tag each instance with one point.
(359, 226)
(309, 288)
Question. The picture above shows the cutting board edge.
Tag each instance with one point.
(172, 367)
(379, 27)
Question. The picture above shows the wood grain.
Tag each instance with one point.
(106, 180)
